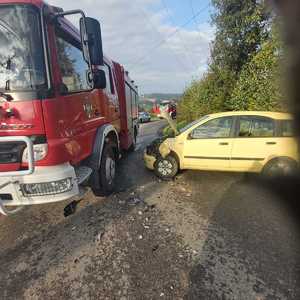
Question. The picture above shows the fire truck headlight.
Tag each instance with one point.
(40, 151)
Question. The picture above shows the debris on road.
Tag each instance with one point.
(99, 236)
(149, 207)
(134, 201)
(70, 209)
(183, 189)
(155, 247)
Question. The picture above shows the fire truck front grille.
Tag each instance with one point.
(11, 152)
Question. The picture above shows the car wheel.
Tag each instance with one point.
(166, 168)
(107, 171)
(280, 167)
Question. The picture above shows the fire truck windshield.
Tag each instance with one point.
(21, 49)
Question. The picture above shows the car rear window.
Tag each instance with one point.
(287, 128)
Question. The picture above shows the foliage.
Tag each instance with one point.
(204, 96)
(168, 131)
(244, 73)
(259, 86)
(241, 26)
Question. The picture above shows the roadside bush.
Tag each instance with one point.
(259, 86)
(206, 96)
(168, 131)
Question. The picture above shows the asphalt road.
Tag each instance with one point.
(202, 236)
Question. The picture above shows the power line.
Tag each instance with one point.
(174, 23)
(154, 27)
(193, 11)
(170, 35)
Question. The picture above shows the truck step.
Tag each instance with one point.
(83, 173)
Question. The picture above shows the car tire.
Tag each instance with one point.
(166, 168)
(279, 167)
(107, 172)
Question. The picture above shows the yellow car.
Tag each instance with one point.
(245, 141)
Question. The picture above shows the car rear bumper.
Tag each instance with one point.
(54, 183)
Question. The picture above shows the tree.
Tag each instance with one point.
(259, 86)
(243, 48)
(241, 27)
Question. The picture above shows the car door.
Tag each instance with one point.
(208, 146)
(255, 141)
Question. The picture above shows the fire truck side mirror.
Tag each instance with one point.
(99, 79)
(94, 39)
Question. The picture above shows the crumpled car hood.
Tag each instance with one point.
(160, 147)
(153, 148)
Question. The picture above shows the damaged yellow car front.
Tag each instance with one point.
(159, 148)
(162, 154)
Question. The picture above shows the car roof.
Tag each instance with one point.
(270, 114)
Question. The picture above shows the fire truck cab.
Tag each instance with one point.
(66, 110)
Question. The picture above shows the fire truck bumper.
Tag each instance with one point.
(45, 185)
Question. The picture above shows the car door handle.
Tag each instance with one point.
(271, 143)
(223, 144)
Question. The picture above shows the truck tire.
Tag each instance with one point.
(166, 168)
(107, 171)
(282, 166)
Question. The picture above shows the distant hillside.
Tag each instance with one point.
(147, 101)
(161, 96)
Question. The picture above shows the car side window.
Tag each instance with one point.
(72, 65)
(256, 127)
(216, 128)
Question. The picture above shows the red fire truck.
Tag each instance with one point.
(66, 110)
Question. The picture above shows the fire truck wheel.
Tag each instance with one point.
(107, 171)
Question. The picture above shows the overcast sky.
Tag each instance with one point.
(149, 39)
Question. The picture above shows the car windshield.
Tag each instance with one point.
(190, 125)
(21, 52)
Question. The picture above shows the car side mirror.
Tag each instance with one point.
(90, 32)
(99, 79)
(190, 135)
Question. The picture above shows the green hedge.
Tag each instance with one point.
(168, 131)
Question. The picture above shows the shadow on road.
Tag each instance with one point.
(252, 250)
